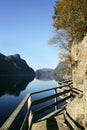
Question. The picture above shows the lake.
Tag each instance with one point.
(13, 90)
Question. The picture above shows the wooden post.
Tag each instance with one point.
(55, 100)
(30, 118)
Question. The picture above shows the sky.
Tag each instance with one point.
(25, 29)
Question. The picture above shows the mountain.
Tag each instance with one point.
(44, 74)
(60, 71)
(13, 65)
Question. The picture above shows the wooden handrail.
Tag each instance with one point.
(45, 90)
(60, 86)
(50, 106)
(49, 97)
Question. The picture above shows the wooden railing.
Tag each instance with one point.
(28, 120)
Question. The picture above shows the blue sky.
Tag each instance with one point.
(25, 28)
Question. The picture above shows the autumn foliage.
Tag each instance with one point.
(72, 16)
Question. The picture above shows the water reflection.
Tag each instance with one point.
(13, 85)
(44, 78)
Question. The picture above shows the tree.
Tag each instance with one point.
(62, 42)
(71, 15)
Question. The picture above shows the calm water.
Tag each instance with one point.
(13, 90)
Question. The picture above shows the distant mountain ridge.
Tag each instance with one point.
(14, 65)
(60, 71)
(44, 74)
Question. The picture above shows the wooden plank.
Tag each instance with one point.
(49, 97)
(50, 106)
(77, 89)
(65, 81)
(8, 124)
(65, 85)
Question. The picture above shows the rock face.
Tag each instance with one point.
(77, 110)
(78, 107)
(14, 65)
(79, 56)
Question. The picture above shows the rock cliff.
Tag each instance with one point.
(79, 63)
(78, 107)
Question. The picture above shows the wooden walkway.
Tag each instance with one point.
(54, 121)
